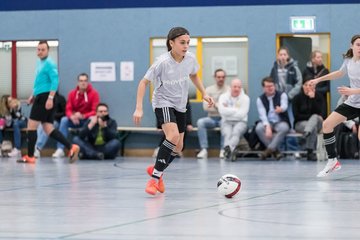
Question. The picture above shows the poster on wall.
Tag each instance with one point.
(228, 63)
(127, 71)
(103, 72)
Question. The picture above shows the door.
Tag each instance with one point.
(300, 49)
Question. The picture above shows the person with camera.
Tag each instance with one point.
(98, 137)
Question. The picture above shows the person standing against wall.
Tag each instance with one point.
(170, 75)
(350, 109)
(314, 69)
(45, 86)
(287, 76)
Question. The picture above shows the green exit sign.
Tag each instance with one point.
(302, 24)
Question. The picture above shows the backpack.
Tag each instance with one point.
(253, 139)
(348, 145)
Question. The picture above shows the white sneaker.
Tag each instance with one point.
(202, 154)
(332, 165)
(297, 155)
(221, 155)
(37, 153)
(59, 153)
(15, 153)
(155, 153)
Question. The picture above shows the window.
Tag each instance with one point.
(228, 53)
(21, 85)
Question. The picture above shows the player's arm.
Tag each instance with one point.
(198, 84)
(139, 101)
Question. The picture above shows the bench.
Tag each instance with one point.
(124, 133)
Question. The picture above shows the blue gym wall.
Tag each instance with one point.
(123, 34)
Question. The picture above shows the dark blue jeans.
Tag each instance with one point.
(89, 151)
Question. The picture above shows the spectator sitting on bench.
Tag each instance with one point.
(274, 125)
(59, 105)
(308, 107)
(5, 118)
(81, 104)
(233, 108)
(98, 137)
(213, 119)
(18, 121)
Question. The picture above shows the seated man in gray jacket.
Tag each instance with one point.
(98, 137)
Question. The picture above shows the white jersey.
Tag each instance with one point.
(352, 68)
(171, 80)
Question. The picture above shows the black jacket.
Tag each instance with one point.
(304, 106)
(109, 132)
(311, 73)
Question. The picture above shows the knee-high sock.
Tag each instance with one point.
(329, 140)
(31, 138)
(162, 158)
(172, 157)
(55, 134)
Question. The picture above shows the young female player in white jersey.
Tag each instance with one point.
(170, 75)
(350, 109)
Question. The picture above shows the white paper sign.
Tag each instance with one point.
(228, 63)
(127, 71)
(103, 71)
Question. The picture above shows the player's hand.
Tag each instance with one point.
(189, 128)
(49, 104)
(314, 82)
(209, 100)
(30, 100)
(137, 116)
(345, 90)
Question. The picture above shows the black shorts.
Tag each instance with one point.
(168, 114)
(38, 110)
(348, 111)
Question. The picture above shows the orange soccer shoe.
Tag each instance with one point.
(26, 159)
(74, 153)
(160, 184)
(151, 187)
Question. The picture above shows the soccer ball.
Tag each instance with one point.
(229, 185)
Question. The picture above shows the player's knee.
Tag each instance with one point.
(173, 137)
(327, 126)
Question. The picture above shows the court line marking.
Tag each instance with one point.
(170, 214)
(221, 213)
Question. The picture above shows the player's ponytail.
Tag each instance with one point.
(349, 53)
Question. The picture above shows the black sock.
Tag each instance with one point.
(55, 134)
(329, 140)
(162, 158)
(172, 157)
(31, 138)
